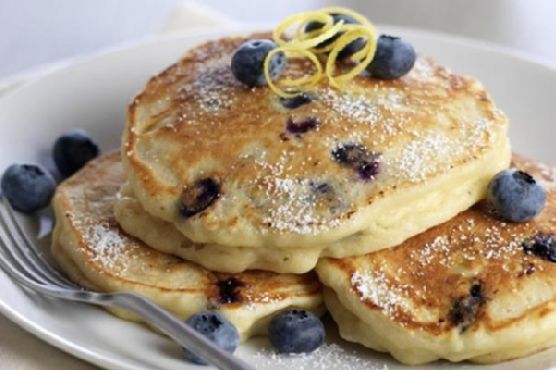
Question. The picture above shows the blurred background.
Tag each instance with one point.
(36, 33)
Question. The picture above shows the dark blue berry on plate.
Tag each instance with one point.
(72, 150)
(296, 102)
(27, 187)
(296, 331)
(516, 195)
(199, 196)
(543, 246)
(248, 62)
(351, 48)
(359, 158)
(301, 125)
(215, 327)
(394, 58)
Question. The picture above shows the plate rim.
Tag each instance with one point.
(58, 341)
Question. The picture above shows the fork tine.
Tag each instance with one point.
(17, 262)
(36, 255)
(10, 263)
(23, 252)
(21, 276)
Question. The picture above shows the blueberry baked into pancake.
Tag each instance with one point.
(333, 167)
(164, 237)
(478, 287)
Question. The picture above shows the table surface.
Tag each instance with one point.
(29, 38)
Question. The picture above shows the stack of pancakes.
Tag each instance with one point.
(230, 198)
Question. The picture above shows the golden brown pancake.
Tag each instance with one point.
(164, 237)
(475, 287)
(93, 250)
(362, 169)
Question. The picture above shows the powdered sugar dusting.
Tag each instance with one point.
(260, 298)
(420, 157)
(381, 291)
(357, 107)
(290, 203)
(431, 152)
(211, 88)
(293, 209)
(470, 241)
(108, 247)
(431, 250)
(373, 111)
(327, 357)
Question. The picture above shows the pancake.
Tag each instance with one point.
(380, 161)
(164, 237)
(474, 288)
(92, 249)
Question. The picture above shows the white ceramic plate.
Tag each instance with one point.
(93, 94)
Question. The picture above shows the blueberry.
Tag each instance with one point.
(351, 48)
(516, 195)
(359, 158)
(248, 62)
(198, 197)
(394, 58)
(465, 309)
(72, 150)
(229, 290)
(322, 188)
(217, 329)
(27, 187)
(543, 246)
(350, 154)
(325, 194)
(296, 102)
(368, 170)
(296, 331)
(301, 125)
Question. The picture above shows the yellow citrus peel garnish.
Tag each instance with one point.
(301, 19)
(306, 45)
(367, 54)
(302, 82)
(350, 13)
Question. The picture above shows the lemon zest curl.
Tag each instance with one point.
(308, 45)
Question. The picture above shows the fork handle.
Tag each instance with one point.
(181, 333)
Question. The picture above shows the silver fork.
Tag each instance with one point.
(20, 259)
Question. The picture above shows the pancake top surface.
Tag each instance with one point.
(86, 200)
(474, 270)
(296, 172)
